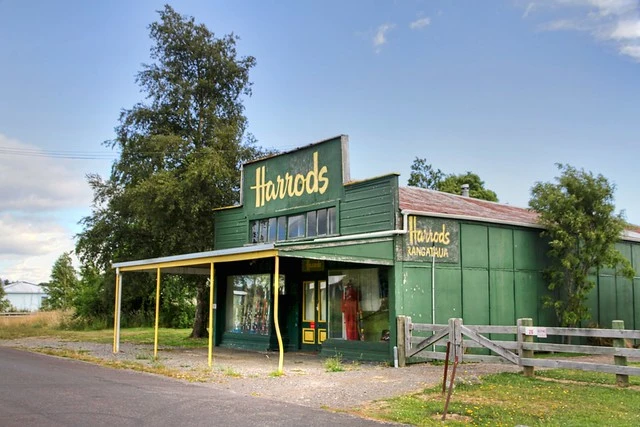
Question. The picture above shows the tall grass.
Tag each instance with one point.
(40, 323)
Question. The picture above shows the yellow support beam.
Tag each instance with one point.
(276, 294)
(155, 335)
(202, 261)
(116, 313)
(211, 282)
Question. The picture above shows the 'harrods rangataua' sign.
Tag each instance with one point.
(429, 238)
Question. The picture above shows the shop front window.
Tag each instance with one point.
(358, 305)
(296, 226)
(248, 307)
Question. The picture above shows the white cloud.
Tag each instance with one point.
(36, 192)
(632, 51)
(420, 23)
(626, 30)
(380, 38)
(529, 9)
(36, 183)
(565, 25)
(29, 245)
(611, 21)
(30, 235)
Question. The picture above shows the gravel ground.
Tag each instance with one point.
(305, 380)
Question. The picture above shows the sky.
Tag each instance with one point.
(503, 88)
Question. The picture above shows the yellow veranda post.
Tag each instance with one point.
(276, 293)
(155, 335)
(116, 310)
(210, 356)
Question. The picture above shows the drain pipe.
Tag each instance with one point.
(433, 291)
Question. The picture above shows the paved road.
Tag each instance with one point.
(39, 390)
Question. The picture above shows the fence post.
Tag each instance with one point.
(524, 338)
(401, 324)
(457, 340)
(621, 380)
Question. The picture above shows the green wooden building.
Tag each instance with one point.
(350, 256)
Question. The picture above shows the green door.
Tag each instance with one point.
(314, 313)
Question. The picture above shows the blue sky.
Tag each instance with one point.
(505, 89)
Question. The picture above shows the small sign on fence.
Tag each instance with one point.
(538, 332)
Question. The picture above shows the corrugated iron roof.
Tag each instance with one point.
(436, 202)
(446, 204)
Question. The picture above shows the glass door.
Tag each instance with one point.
(314, 313)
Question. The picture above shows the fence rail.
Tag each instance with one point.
(15, 313)
(412, 344)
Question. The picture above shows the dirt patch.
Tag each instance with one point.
(305, 380)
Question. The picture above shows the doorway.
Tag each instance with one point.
(314, 314)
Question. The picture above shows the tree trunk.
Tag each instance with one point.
(202, 312)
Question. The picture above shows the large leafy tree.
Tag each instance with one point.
(424, 175)
(180, 152)
(581, 226)
(62, 284)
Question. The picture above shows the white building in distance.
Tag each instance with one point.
(25, 296)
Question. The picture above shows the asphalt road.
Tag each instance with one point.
(40, 390)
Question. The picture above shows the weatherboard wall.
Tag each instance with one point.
(369, 206)
(231, 228)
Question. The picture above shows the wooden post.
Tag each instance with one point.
(458, 343)
(621, 380)
(524, 338)
(401, 324)
(446, 368)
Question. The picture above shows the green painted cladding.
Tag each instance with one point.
(369, 206)
(475, 298)
(499, 278)
(501, 248)
(304, 178)
(414, 293)
(231, 228)
(474, 246)
(615, 297)
(448, 294)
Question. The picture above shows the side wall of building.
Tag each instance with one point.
(498, 279)
(27, 302)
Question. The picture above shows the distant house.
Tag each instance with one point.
(25, 296)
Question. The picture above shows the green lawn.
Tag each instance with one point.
(511, 399)
(166, 337)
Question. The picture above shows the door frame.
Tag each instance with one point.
(313, 332)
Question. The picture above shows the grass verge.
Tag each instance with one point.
(585, 376)
(509, 399)
(153, 368)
